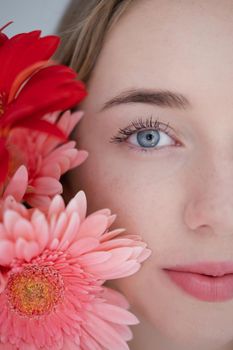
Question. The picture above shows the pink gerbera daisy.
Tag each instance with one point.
(46, 157)
(53, 271)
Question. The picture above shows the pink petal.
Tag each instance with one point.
(112, 271)
(94, 258)
(3, 281)
(83, 246)
(31, 250)
(111, 234)
(93, 225)
(57, 205)
(24, 229)
(68, 120)
(105, 211)
(78, 203)
(26, 250)
(116, 243)
(6, 252)
(81, 156)
(47, 186)
(116, 258)
(71, 230)
(124, 331)
(70, 344)
(18, 184)
(41, 202)
(54, 244)
(111, 219)
(114, 297)
(114, 313)
(10, 219)
(64, 164)
(51, 170)
(88, 343)
(104, 333)
(59, 226)
(144, 255)
(41, 229)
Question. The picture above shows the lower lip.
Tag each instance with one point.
(203, 287)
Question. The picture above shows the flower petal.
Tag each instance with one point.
(6, 252)
(28, 48)
(114, 313)
(78, 203)
(18, 184)
(83, 246)
(47, 186)
(104, 334)
(93, 225)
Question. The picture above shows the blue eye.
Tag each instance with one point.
(149, 138)
(146, 136)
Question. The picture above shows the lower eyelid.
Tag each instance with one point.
(148, 150)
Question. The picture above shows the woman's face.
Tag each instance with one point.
(174, 186)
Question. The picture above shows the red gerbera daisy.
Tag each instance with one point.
(31, 85)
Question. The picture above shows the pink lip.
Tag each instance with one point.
(208, 281)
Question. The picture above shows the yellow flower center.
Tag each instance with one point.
(35, 291)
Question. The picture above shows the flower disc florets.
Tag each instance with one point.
(35, 291)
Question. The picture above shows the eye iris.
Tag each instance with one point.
(148, 138)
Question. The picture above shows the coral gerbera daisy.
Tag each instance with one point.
(45, 157)
(54, 267)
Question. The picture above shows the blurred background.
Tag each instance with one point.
(30, 15)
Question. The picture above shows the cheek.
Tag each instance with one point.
(141, 204)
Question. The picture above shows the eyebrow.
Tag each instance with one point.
(161, 98)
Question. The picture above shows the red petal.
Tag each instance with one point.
(21, 51)
(23, 76)
(50, 89)
(3, 38)
(4, 156)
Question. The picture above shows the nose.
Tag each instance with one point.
(210, 199)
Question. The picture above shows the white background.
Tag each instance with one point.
(30, 15)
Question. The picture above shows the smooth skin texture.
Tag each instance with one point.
(178, 195)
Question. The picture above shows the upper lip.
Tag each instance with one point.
(206, 268)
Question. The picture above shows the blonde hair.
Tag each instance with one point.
(82, 31)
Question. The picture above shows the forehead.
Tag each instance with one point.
(169, 44)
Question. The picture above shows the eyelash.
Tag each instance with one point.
(140, 125)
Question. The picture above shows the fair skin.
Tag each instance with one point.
(178, 197)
